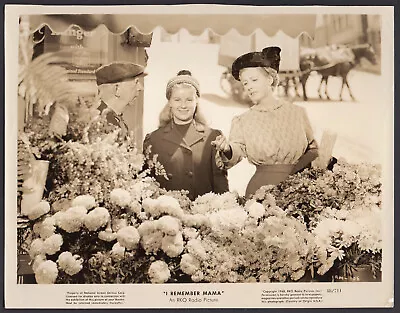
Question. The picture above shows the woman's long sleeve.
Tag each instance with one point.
(220, 175)
(311, 152)
(237, 143)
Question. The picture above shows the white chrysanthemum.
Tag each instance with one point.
(53, 244)
(169, 225)
(120, 197)
(36, 248)
(195, 220)
(150, 206)
(172, 245)
(189, 264)
(227, 220)
(134, 207)
(256, 210)
(128, 237)
(39, 259)
(86, 201)
(97, 218)
(107, 235)
(38, 210)
(151, 242)
(70, 264)
(195, 247)
(169, 205)
(46, 272)
(147, 227)
(159, 272)
(197, 277)
(58, 216)
(190, 233)
(72, 219)
(117, 251)
(212, 202)
(47, 228)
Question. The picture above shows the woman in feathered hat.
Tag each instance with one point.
(273, 134)
(183, 141)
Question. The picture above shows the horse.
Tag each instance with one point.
(327, 68)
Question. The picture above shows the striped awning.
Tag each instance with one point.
(291, 24)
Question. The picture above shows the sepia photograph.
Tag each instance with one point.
(182, 156)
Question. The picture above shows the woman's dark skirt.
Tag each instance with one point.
(268, 175)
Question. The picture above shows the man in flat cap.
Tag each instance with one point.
(119, 85)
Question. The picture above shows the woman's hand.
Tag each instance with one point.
(222, 144)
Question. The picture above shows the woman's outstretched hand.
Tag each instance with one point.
(221, 144)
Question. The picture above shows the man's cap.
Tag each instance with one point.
(117, 72)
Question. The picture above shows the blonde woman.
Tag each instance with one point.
(273, 134)
(183, 141)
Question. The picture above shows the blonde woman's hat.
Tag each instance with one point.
(268, 57)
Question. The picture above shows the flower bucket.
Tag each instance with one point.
(34, 185)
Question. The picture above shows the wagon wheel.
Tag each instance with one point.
(225, 83)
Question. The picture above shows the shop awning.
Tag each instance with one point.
(291, 24)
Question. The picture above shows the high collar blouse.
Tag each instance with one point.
(277, 134)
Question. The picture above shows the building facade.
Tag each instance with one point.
(348, 29)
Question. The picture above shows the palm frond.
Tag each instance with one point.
(43, 83)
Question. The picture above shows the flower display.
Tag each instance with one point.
(107, 235)
(151, 242)
(72, 219)
(159, 272)
(120, 197)
(172, 245)
(128, 237)
(169, 225)
(163, 205)
(36, 248)
(39, 259)
(45, 228)
(189, 264)
(96, 218)
(255, 209)
(105, 219)
(52, 244)
(46, 272)
(86, 201)
(70, 264)
(118, 251)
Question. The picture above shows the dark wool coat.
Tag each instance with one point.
(114, 118)
(189, 160)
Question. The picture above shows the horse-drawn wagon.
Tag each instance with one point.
(296, 63)
(233, 45)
